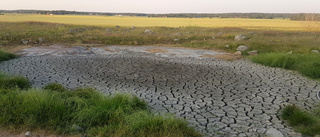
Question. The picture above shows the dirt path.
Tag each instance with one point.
(219, 98)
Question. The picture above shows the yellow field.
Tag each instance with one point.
(265, 24)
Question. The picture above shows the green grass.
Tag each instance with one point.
(301, 121)
(58, 110)
(16, 82)
(6, 56)
(306, 64)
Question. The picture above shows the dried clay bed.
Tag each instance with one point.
(218, 98)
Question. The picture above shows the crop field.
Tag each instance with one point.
(126, 21)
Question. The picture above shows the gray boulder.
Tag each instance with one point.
(315, 51)
(148, 31)
(25, 42)
(242, 48)
(240, 37)
(272, 132)
(176, 40)
(133, 27)
(108, 29)
(213, 38)
(227, 46)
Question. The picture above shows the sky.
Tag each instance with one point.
(168, 6)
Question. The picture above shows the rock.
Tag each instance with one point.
(272, 132)
(40, 40)
(219, 33)
(253, 53)
(227, 46)
(133, 27)
(28, 134)
(177, 34)
(108, 29)
(117, 26)
(25, 42)
(252, 33)
(237, 53)
(213, 38)
(76, 127)
(176, 40)
(290, 52)
(242, 48)
(148, 31)
(240, 37)
(315, 51)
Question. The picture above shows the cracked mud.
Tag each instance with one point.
(218, 98)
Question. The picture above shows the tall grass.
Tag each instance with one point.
(306, 64)
(6, 56)
(59, 110)
(302, 121)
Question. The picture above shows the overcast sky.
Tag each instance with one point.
(168, 6)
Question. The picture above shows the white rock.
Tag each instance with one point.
(28, 134)
(253, 53)
(272, 132)
(237, 53)
(315, 51)
(240, 37)
(148, 31)
(176, 40)
(227, 46)
(242, 48)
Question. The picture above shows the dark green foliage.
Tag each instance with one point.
(6, 56)
(303, 122)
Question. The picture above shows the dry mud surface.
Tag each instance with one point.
(218, 98)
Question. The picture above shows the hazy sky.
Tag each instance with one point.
(168, 6)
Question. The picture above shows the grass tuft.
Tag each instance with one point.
(14, 82)
(302, 121)
(6, 56)
(55, 87)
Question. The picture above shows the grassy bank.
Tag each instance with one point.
(303, 122)
(306, 64)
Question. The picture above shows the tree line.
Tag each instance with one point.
(292, 16)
